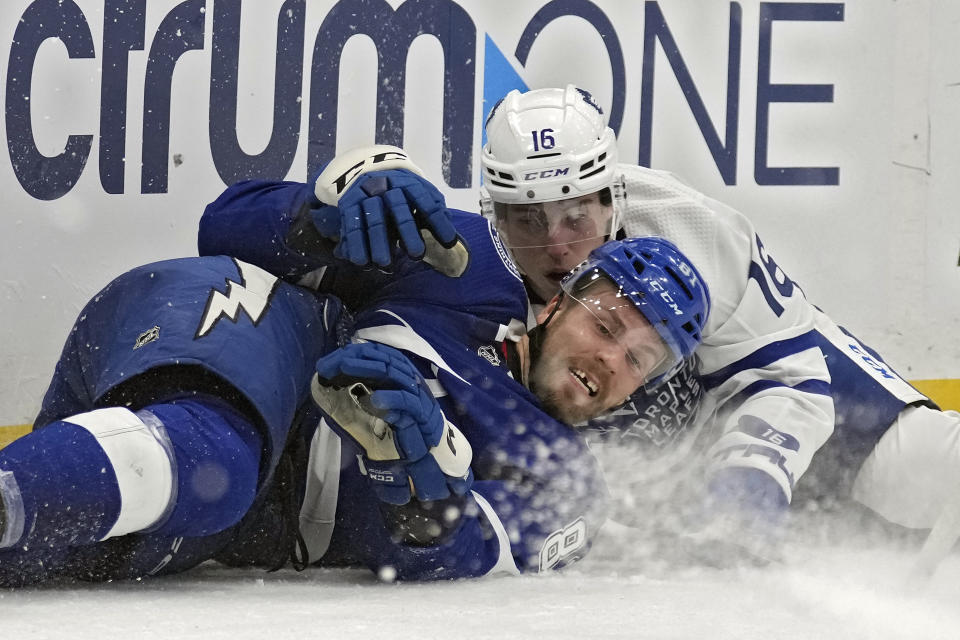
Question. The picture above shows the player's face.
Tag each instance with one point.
(598, 349)
(548, 239)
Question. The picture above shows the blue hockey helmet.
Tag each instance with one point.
(661, 283)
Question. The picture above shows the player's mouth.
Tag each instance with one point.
(589, 385)
(557, 276)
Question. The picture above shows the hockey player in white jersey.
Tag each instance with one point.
(778, 405)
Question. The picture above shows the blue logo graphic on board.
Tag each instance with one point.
(499, 79)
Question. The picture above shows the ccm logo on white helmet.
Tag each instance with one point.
(546, 173)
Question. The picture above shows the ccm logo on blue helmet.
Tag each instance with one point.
(691, 278)
(656, 286)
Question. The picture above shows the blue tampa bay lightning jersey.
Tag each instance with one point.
(538, 496)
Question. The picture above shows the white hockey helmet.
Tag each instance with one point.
(547, 145)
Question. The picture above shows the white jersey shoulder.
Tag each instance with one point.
(723, 244)
(758, 359)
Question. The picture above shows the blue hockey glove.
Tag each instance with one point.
(740, 521)
(378, 399)
(374, 198)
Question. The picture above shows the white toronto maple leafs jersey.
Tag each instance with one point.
(765, 363)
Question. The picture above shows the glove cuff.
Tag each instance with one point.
(344, 169)
(304, 237)
(749, 492)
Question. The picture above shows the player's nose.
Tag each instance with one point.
(608, 354)
(556, 248)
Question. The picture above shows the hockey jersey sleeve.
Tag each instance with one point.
(255, 221)
(251, 221)
(767, 403)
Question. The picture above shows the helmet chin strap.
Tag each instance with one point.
(537, 335)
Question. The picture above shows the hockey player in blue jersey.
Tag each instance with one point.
(278, 225)
(178, 426)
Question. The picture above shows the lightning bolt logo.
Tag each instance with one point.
(251, 294)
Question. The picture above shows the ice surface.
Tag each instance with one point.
(846, 592)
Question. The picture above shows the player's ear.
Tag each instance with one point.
(548, 309)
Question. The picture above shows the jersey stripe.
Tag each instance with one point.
(505, 561)
(818, 387)
(762, 357)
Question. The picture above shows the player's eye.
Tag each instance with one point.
(602, 330)
(533, 220)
